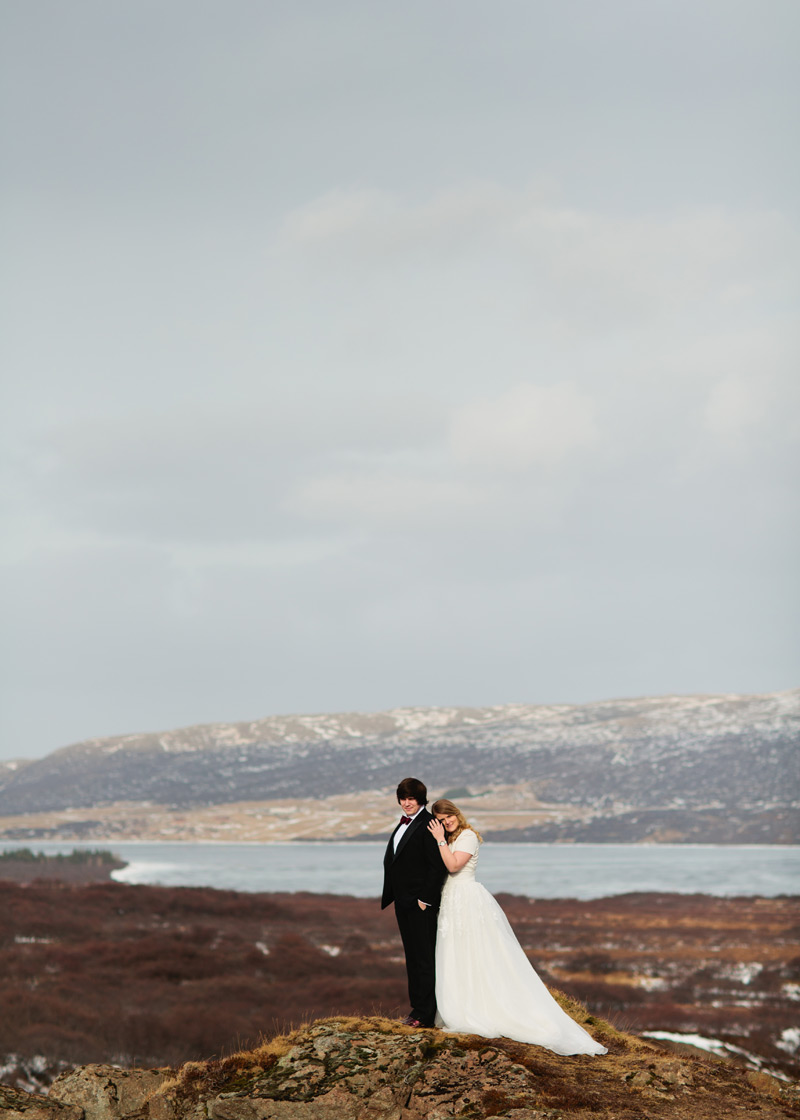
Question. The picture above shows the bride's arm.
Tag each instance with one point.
(453, 861)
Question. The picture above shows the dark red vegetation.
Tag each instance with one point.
(159, 975)
(156, 976)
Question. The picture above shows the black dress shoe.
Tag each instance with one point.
(413, 1021)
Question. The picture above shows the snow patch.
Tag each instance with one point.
(712, 1045)
(744, 973)
(721, 1049)
(651, 983)
(789, 1040)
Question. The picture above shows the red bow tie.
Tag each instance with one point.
(406, 820)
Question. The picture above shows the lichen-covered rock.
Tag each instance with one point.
(108, 1093)
(15, 1104)
(373, 1075)
(337, 1104)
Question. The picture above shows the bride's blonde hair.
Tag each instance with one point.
(446, 808)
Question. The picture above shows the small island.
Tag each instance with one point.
(78, 866)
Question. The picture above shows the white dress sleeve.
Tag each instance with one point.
(466, 842)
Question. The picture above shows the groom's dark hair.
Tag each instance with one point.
(413, 787)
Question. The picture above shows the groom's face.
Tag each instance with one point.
(410, 806)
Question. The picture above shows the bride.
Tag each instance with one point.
(484, 982)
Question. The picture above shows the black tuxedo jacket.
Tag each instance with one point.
(416, 870)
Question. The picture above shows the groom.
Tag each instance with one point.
(413, 874)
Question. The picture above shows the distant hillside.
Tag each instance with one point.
(11, 766)
(668, 758)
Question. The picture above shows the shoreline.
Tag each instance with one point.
(24, 866)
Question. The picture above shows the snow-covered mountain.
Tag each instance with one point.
(675, 754)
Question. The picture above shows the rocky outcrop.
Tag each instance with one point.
(106, 1092)
(374, 1069)
(15, 1104)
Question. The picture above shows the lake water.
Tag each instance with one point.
(536, 870)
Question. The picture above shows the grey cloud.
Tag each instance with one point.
(192, 474)
(586, 268)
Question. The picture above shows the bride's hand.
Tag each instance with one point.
(437, 829)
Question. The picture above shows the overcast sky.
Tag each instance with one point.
(364, 355)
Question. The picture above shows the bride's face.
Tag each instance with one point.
(450, 822)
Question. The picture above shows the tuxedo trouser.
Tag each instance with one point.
(418, 932)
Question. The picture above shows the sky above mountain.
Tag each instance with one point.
(360, 356)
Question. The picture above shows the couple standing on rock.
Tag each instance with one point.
(466, 970)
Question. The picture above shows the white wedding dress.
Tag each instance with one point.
(484, 982)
